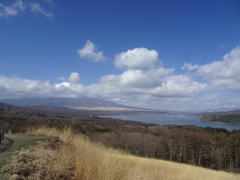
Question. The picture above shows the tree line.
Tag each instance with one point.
(212, 148)
(232, 119)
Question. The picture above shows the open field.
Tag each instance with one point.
(75, 157)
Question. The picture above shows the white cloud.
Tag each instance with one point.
(89, 52)
(189, 66)
(12, 10)
(224, 104)
(138, 58)
(62, 78)
(149, 85)
(231, 103)
(144, 83)
(74, 78)
(158, 83)
(211, 97)
(223, 74)
(71, 89)
(138, 78)
(18, 6)
(36, 8)
(15, 87)
(174, 92)
(180, 86)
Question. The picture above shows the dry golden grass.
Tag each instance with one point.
(41, 162)
(78, 158)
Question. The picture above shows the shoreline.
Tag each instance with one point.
(218, 122)
(200, 121)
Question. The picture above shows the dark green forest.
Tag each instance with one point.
(231, 119)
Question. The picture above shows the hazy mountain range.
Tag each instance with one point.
(86, 105)
(83, 105)
(63, 102)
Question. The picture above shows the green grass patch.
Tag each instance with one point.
(103, 130)
(4, 161)
(23, 146)
(54, 139)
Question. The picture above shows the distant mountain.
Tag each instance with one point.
(230, 117)
(219, 110)
(5, 105)
(234, 112)
(63, 102)
(210, 113)
(84, 105)
(222, 109)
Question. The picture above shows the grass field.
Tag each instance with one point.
(75, 157)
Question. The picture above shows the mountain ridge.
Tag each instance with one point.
(64, 102)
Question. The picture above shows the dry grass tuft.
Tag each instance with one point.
(78, 158)
(46, 160)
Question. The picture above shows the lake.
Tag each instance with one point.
(173, 120)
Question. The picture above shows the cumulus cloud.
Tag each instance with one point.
(143, 84)
(158, 83)
(138, 58)
(89, 52)
(74, 89)
(223, 74)
(180, 86)
(145, 81)
(36, 8)
(138, 78)
(74, 78)
(18, 6)
(15, 87)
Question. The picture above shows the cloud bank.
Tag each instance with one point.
(223, 74)
(144, 83)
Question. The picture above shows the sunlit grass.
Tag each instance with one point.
(76, 157)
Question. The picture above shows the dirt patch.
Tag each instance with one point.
(21, 140)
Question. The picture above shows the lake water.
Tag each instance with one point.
(173, 120)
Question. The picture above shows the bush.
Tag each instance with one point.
(103, 130)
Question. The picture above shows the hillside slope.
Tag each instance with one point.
(92, 161)
(229, 117)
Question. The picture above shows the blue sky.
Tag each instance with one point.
(175, 55)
